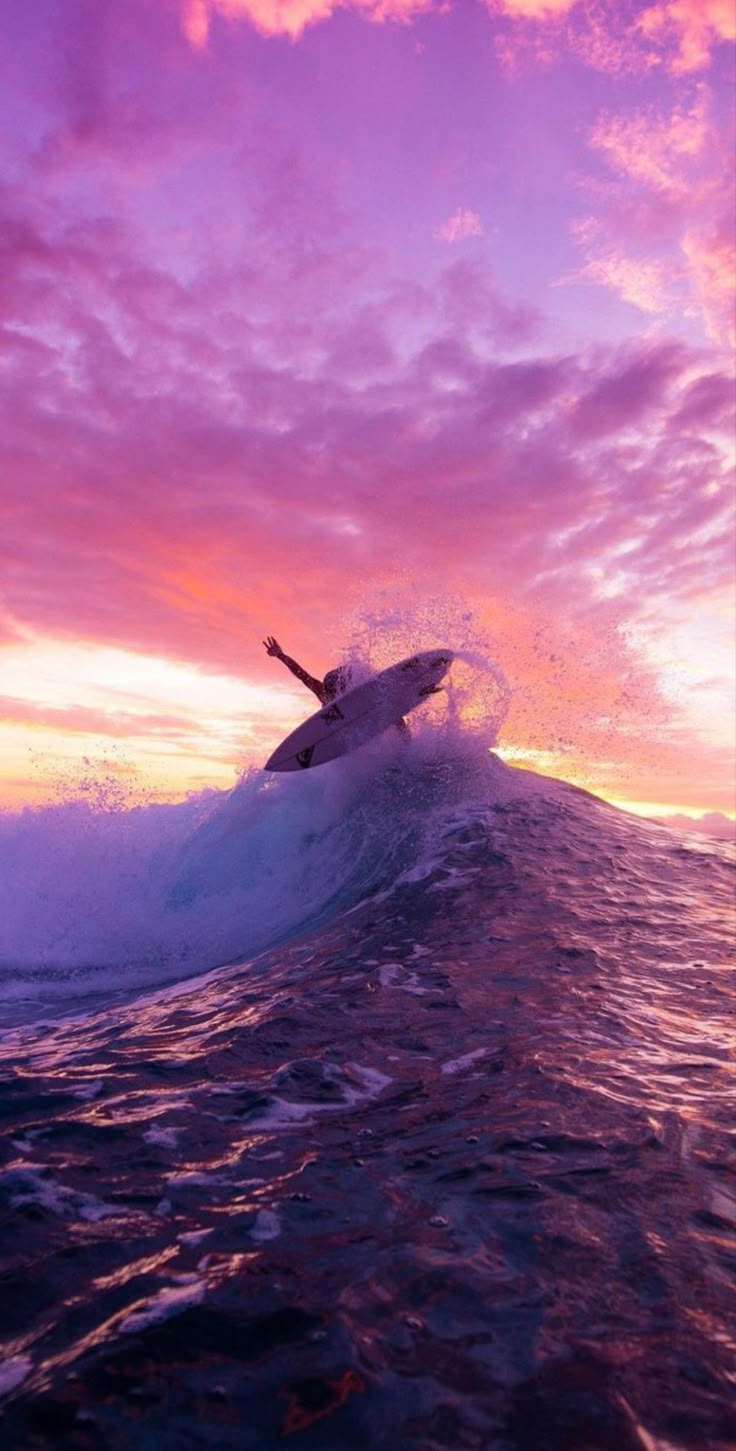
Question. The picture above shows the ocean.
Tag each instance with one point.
(390, 1105)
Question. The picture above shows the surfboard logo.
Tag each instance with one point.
(334, 713)
(304, 757)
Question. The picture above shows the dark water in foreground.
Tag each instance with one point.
(455, 1167)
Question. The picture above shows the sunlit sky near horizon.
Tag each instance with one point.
(313, 309)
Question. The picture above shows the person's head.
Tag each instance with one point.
(336, 682)
(345, 677)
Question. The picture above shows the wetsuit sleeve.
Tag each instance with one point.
(309, 680)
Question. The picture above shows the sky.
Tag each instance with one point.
(313, 312)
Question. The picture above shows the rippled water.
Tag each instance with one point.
(454, 1167)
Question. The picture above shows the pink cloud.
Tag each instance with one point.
(708, 403)
(187, 450)
(694, 26)
(651, 149)
(642, 282)
(632, 391)
(711, 258)
(472, 303)
(680, 35)
(290, 17)
(669, 207)
(463, 223)
(531, 9)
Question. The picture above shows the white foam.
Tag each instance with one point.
(13, 1371)
(285, 1113)
(267, 1225)
(392, 974)
(103, 901)
(168, 1302)
(94, 1209)
(454, 878)
(373, 1080)
(281, 1113)
(389, 973)
(89, 1090)
(36, 1187)
(456, 1065)
(164, 1138)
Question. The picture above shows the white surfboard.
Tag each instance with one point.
(365, 711)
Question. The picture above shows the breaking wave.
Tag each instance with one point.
(97, 901)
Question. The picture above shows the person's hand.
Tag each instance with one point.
(272, 646)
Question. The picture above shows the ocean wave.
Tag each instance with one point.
(450, 1167)
(98, 902)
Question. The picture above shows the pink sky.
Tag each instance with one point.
(305, 305)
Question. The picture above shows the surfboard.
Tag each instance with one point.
(367, 710)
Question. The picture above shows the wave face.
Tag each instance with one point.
(449, 1163)
(95, 903)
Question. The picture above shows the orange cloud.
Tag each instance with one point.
(288, 17)
(696, 26)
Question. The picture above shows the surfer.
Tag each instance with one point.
(335, 683)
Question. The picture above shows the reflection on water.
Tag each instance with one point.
(455, 1169)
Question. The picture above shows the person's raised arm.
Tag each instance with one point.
(273, 648)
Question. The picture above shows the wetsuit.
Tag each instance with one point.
(324, 693)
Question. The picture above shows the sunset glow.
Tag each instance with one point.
(312, 309)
